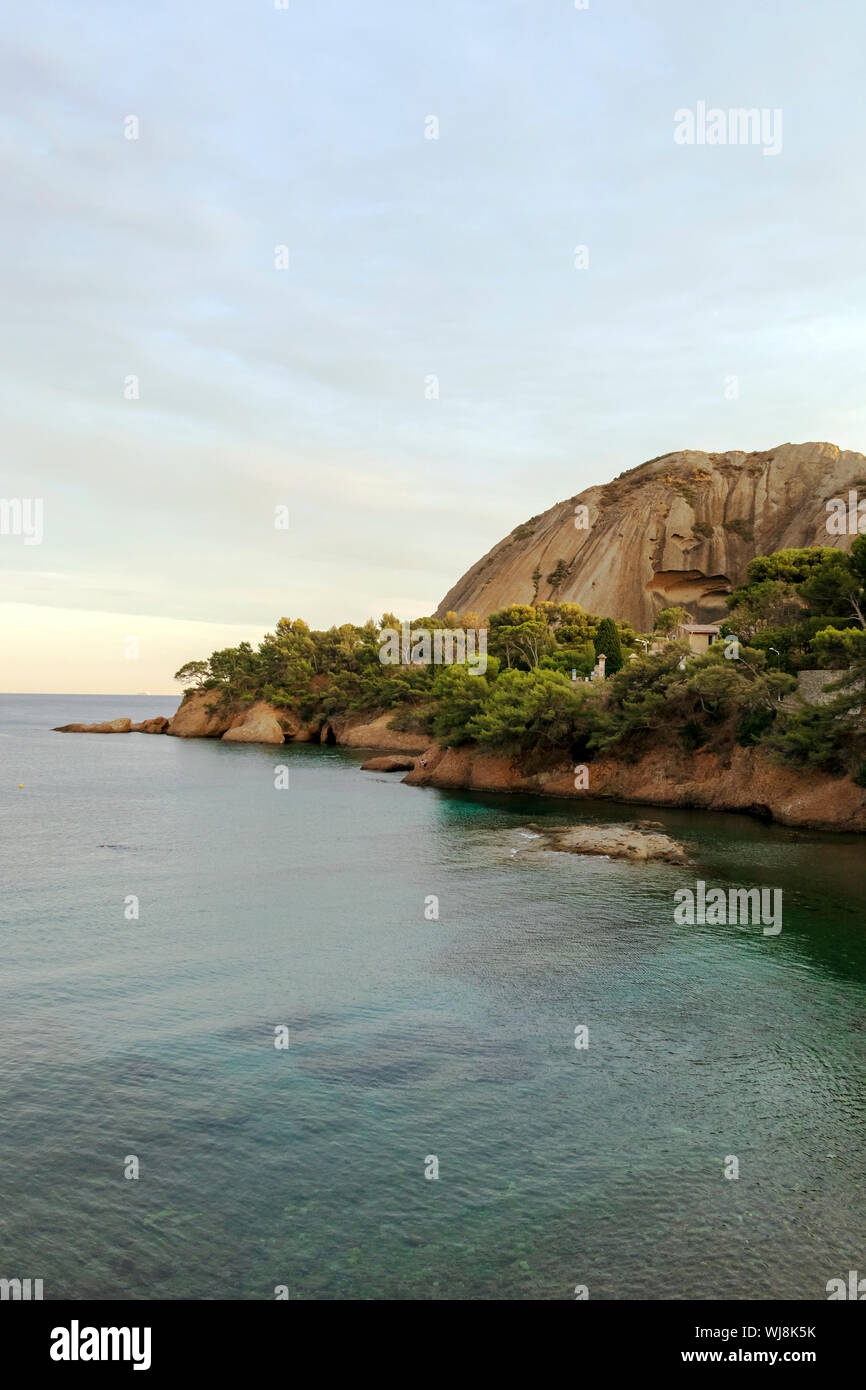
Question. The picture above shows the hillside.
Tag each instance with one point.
(679, 529)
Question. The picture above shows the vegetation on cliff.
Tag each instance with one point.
(799, 608)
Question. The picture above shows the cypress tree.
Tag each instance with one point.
(607, 641)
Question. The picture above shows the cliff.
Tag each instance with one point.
(679, 529)
(745, 780)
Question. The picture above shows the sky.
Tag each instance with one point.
(426, 360)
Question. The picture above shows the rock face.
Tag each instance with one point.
(393, 762)
(192, 719)
(373, 734)
(745, 781)
(295, 730)
(112, 726)
(157, 725)
(679, 529)
(262, 723)
(259, 724)
(812, 688)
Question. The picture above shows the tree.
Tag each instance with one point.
(558, 575)
(519, 635)
(607, 644)
(839, 647)
(668, 619)
(538, 710)
(194, 673)
(459, 697)
(793, 565)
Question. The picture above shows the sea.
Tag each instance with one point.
(274, 1027)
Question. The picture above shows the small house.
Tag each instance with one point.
(701, 636)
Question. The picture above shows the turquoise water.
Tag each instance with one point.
(408, 1037)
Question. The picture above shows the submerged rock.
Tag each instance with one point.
(629, 841)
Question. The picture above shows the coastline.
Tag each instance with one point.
(745, 783)
(741, 780)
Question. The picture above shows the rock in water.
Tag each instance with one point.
(618, 841)
(393, 762)
(200, 716)
(112, 726)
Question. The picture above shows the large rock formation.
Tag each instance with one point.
(258, 724)
(201, 716)
(677, 530)
(360, 732)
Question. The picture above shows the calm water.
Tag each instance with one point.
(409, 1038)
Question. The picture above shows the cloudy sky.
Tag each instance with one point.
(409, 258)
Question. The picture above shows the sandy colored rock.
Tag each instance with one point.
(157, 725)
(745, 780)
(295, 729)
(259, 724)
(390, 762)
(679, 529)
(112, 726)
(629, 841)
(193, 720)
(374, 733)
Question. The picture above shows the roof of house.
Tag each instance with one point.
(701, 627)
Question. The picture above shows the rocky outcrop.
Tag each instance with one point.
(157, 725)
(200, 716)
(112, 726)
(634, 840)
(679, 529)
(373, 733)
(391, 762)
(295, 729)
(259, 724)
(746, 780)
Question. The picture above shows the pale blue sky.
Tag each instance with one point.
(408, 257)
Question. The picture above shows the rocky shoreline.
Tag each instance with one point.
(744, 780)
